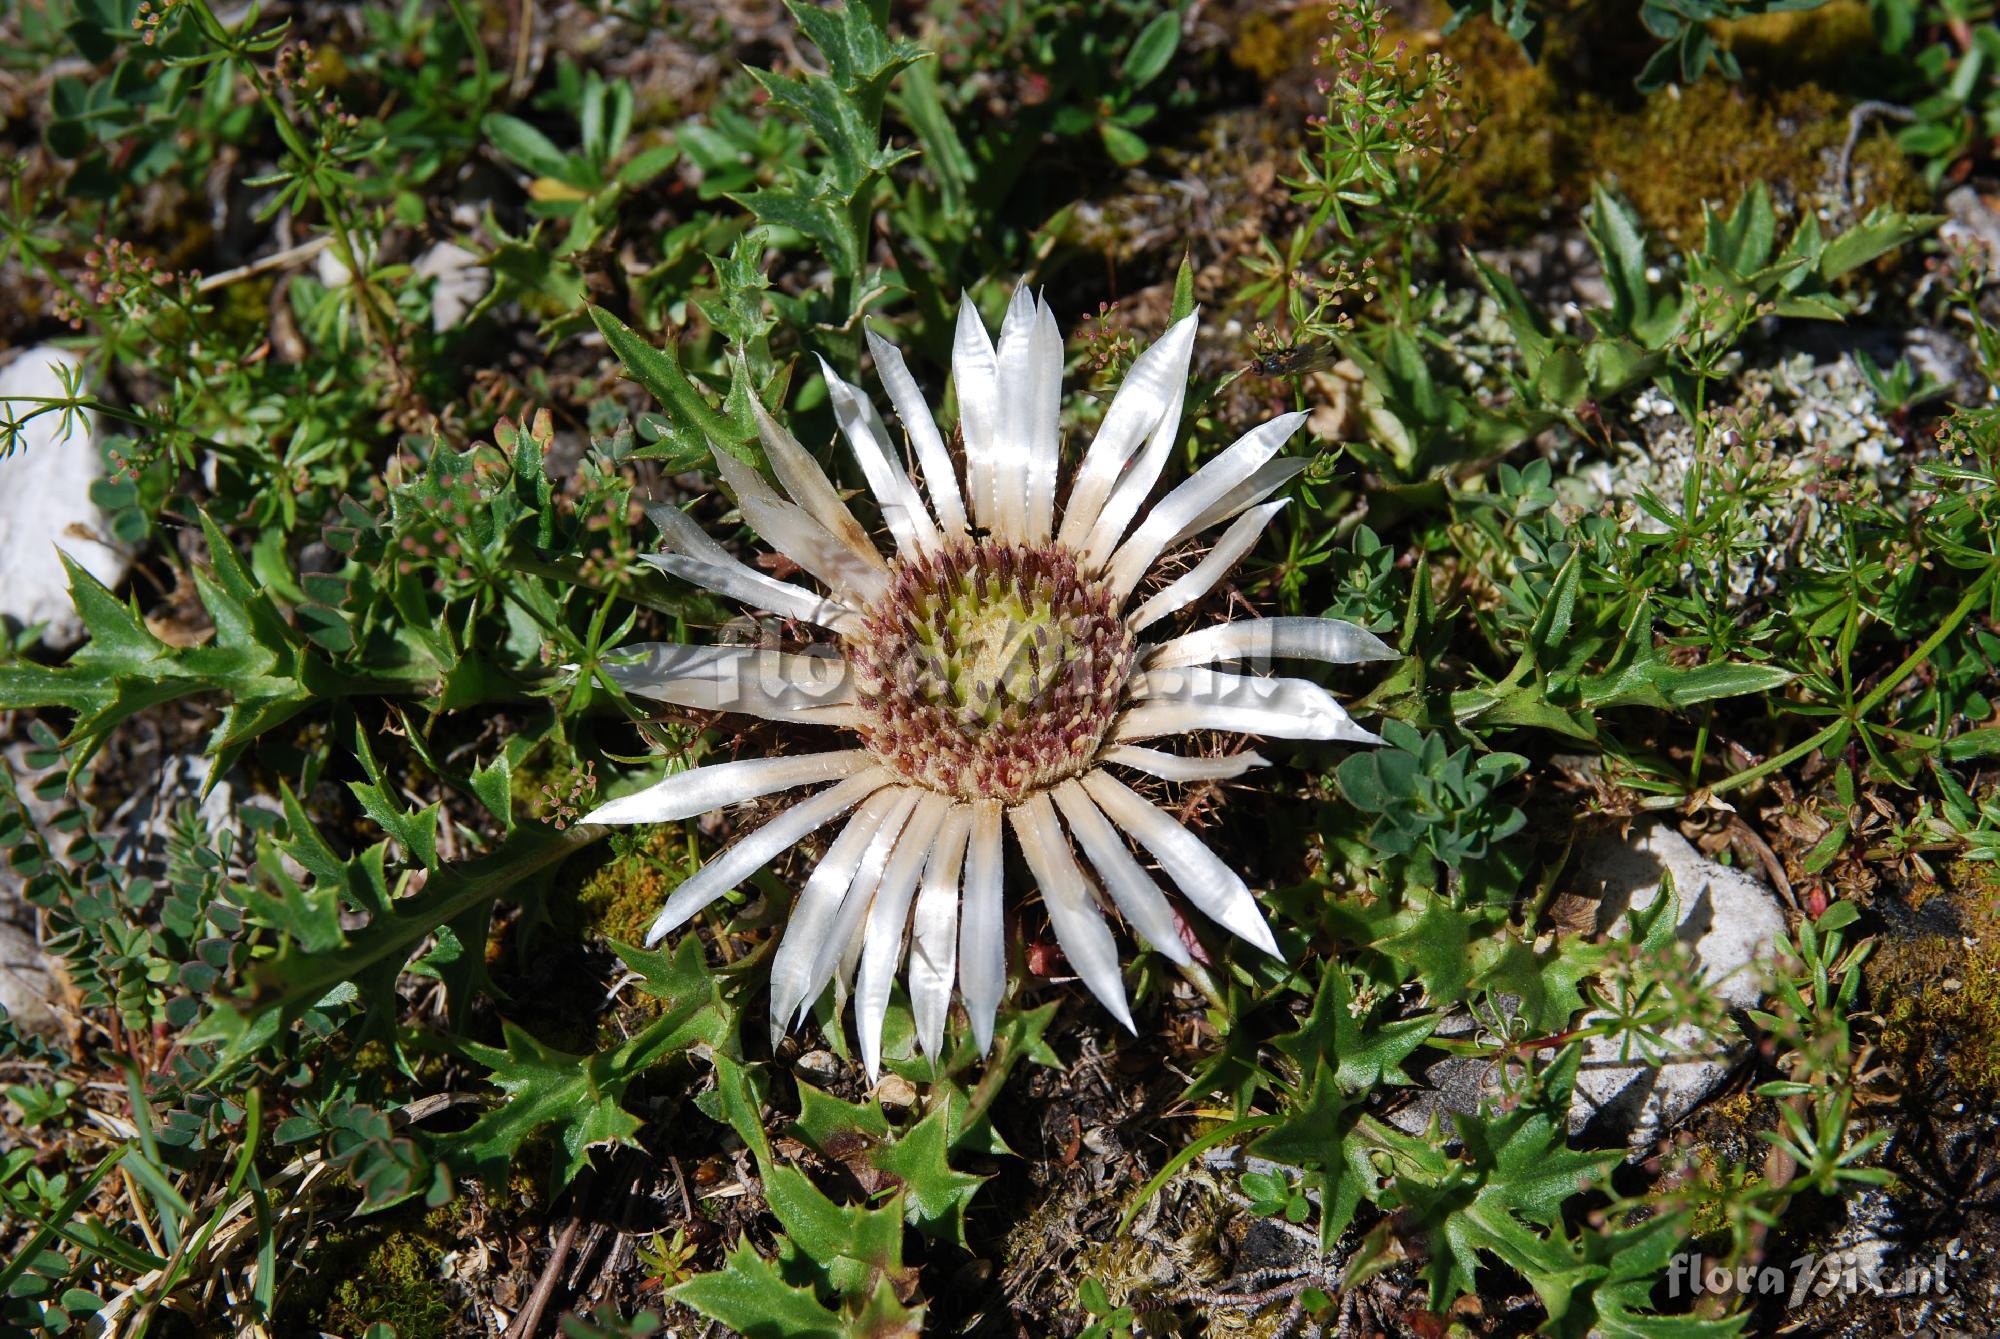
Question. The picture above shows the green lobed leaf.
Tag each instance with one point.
(1318, 1134)
(1876, 235)
(1502, 1194)
(936, 1195)
(297, 976)
(1547, 979)
(1614, 231)
(853, 1244)
(1364, 1054)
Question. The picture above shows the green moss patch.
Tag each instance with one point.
(620, 899)
(1940, 992)
(376, 1269)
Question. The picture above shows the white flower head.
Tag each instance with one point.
(997, 674)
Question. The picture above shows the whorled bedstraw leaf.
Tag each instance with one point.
(1183, 289)
(1126, 148)
(1557, 615)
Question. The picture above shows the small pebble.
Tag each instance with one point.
(819, 1066)
(896, 1092)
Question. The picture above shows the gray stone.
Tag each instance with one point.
(45, 500)
(1730, 923)
(1451, 1083)
(1972, 217)
(30, 990)
(145, 820)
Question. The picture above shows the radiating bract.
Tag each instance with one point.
(996, 673)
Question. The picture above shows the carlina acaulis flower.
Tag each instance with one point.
(996, 674)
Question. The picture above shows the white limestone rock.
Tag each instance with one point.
(462, 280)
(45, 501)
(1973, 218)
(1731, 923)
(29, 989)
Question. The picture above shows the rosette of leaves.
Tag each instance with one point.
(1427, 799)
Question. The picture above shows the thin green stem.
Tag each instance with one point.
(348, 253)
(482, 69)
(49, 404)
(1219, 1134)
(1876, 696)
(1701, 744)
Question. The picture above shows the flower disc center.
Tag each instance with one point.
(990, 670)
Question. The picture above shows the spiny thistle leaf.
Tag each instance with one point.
(266, 670)
(1511, 1176)
(580, 1097)
(311, 961)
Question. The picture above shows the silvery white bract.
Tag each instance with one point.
(996, 674)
